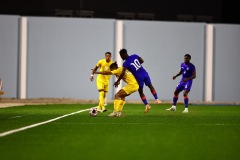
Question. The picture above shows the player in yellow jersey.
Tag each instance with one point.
(102, 80)
(131, 87)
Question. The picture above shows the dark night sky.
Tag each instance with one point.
(221, 11)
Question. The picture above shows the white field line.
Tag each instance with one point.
(38, 124)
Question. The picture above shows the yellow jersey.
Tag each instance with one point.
(128, 76)
(103, 66)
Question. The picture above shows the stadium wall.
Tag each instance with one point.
(62, 51)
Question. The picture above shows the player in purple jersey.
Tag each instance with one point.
(133, 63)
(188, 73)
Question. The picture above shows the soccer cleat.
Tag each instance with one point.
(113, 114)
(118, 114)
(158, 101)
(173, 108)
(147, 108)
(104, 110)
(185, 110)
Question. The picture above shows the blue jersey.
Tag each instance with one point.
(187, 70)
(135, 67)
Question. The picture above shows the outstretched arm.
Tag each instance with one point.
(93, 70)
(120, 77)
(103, 72)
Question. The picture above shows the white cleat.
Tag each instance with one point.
(185, 110)
(173, 108)
(113, 114)
(119, 114)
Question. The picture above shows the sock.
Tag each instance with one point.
(154, 93)
(115, 103)
(186, 101)
(144, 100)
(175, 99)
(101, 100)
(105, 99)
(121, 104)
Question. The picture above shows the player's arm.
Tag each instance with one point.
(180, 72)
(120, 77)
(93, 70)
(103, 72)
(140, 60)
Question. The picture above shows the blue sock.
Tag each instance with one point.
(175, 99)
(186, 101)
(144, 100)
(154, 93)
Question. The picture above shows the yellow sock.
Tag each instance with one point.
(120, 105)
(116, 105)
(101, 100)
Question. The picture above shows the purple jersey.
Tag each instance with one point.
(187, 70)
(135, 67)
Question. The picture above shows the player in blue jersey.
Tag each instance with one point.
(133, 63)
(188, 73)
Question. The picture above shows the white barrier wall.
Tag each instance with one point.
(62, 51)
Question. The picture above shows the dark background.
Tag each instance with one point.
(211, 11)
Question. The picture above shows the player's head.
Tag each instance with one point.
(108, 56)
(187, 58)
(123, 53)
(113, 66)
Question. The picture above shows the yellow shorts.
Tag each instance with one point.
(103, 86)
(130, 88)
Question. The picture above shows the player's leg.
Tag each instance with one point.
(185, 96)
(187, 89)
(178, 89)
(100, 87)
(148, 83)
(124, 92)
(154, 93)
(119, 102)
(144, 99)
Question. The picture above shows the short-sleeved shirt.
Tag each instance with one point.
(103, 66)
(134, 66)
(128, 76)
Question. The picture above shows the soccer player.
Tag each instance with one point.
(131, 87)
(133, 63)
(188, 73)
(102, 80)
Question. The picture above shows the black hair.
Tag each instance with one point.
(114, 65)
(188, 55)
(108, 53)
(122, 51)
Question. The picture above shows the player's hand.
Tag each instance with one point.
(91, 77)
(116, 84)
(174, 77)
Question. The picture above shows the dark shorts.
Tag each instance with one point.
(184, 86)
(144, 79)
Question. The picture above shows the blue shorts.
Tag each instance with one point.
(184, 86)
(144, 79)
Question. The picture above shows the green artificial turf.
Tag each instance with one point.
(205, 133)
